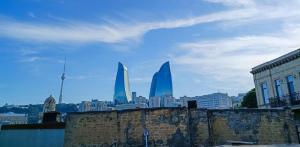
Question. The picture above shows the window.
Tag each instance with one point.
(290, 84)
(265, 93)
(278, 88)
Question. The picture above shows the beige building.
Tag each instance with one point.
(277, 82)
(85, 106)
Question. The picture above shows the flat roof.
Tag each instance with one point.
(276, 62)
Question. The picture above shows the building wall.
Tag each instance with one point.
(32, 138)
(279, 72)
(179, 127)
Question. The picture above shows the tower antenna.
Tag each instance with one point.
(63, 77)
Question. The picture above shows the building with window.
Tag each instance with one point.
(209, 101)
(85, 106)
(214, 101)
(12, 118)
(277, 82)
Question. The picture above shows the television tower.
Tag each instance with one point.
(62, 82)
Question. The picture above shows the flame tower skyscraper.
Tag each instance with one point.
(122, 94)
(161, 84)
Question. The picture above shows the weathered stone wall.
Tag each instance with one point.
(260, 126)
(179, 127)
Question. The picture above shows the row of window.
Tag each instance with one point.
(278, 88)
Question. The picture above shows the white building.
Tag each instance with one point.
(99, 105)
(277, 82)
(85, 106)
(185, 99)
(94, 105)
(154, 102)
(214, 101)
(139, 100)
(12, 118)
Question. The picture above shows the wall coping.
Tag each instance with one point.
(182, 108)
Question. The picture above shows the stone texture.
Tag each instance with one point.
(179, 127)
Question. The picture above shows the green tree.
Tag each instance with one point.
(249, 101)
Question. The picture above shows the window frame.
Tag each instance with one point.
(265, 92)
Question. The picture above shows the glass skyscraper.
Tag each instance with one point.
(122, 94)
(161, 84)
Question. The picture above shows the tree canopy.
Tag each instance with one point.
(249, 101)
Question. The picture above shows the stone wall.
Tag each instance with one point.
(179, 127)
(260, 126)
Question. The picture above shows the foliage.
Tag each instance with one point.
(249, 101)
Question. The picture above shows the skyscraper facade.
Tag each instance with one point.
(122, 94)
(161, 84)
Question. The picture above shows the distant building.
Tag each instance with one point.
(184, 100)
(49, 104)
(12, 118)
(154, 102)
(277, 81)
(122, 93)
(130, 106)
(161, 91)
(214, 101)
(133, 95)
(210, 101)
(161, 84)
(168, 101)
(99, 105)
(237, 100)
(85, 106)
(95, 105)
(140, 100)
(34, 113)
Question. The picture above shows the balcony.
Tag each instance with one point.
(286, 100)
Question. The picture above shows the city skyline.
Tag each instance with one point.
(211, 45)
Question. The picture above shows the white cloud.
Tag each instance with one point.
(140, 79)
(88, 32)
(26, 51)
(107, 33)
(27, 59)
(233, 2)
(228, 61)
(83, 77)
(31, 14)
(118, 32)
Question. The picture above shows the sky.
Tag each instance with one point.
(211, 45)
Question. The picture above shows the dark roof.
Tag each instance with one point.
(276, 62)
(34, 126)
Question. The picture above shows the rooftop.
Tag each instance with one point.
(277, 61)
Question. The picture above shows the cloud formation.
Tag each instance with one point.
(82, 32)
(229, 60)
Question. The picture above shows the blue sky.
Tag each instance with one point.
(211, 45)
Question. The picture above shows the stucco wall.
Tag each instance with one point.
(179, 127)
